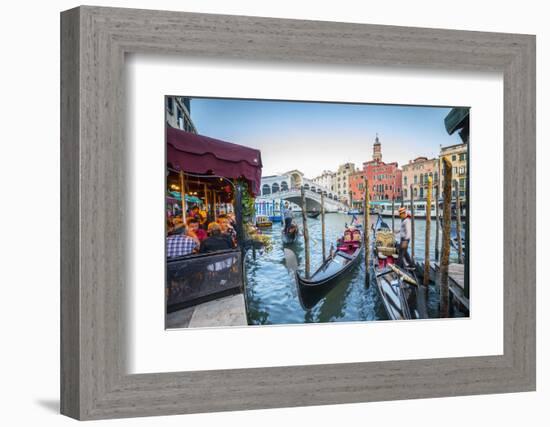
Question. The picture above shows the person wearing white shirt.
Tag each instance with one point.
(405, 233)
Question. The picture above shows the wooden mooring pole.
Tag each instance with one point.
(323, 225)
(428, 229)
(446, 239)
(458, 224)
(437, 222)
(412, 223)
(366, 230)
(393, 214)
(306, 232)
(437, 196)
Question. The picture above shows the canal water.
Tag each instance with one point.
(272, 292)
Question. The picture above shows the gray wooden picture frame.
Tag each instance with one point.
(94, 41)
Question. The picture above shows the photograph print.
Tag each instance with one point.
(292, 212)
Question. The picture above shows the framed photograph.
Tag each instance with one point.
(262, 213)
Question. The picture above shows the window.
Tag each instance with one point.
(415, 179)
(266, 190)
(454, 157)
(462, 157)
(405, 180)
(462, 183)
(170, 102)
(405, 192)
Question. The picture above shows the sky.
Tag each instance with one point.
(313, 136)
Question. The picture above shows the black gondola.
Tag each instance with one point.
(398, 288)
(290, 237)
(314, 288)
(313, 214)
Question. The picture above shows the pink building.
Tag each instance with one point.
(384, 180)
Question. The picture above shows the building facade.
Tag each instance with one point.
(326, 179)
(357, 188)
(416, 173)
(178, 113)
(384, 178)
(384, 181)
(341, 183)
(458, 155)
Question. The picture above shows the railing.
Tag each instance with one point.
(195, 279)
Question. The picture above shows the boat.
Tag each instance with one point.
(313, 214)
(342, 261)
(355, 212)
(290, 237)
(398, 288)
(263, 221)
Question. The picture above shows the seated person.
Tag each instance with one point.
(194, 231)
(232, 221)
(227, 229)
(195, 213)
(216, 240)
(179, 244)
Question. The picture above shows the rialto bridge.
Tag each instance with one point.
(287, 187)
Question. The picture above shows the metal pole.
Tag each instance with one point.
(428, 229)
(306, 232)
(458, 224)
(412, 223)
(366, 230)
(446, 243)
(214, 197)
(183, 204)
(238, 209)
(323, 224)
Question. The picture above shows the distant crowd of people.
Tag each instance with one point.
(199, 236)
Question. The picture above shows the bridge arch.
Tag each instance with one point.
(266, 190)
(284, 186)
(295, 180)
(275, 187)
(306, 186)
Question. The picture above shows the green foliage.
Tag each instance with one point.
(247, 201)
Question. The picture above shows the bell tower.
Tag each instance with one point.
(377, 150)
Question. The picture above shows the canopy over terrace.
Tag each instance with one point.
(199, 154)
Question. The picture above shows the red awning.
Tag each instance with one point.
(200, 154)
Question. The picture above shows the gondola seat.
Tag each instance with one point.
(386, 250)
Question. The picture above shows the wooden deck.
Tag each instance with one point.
(456, 280)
